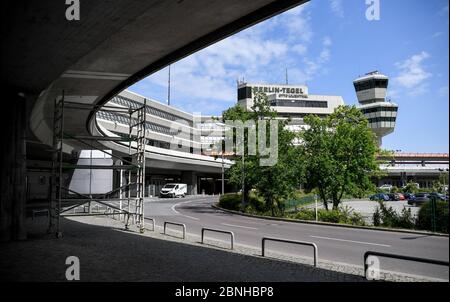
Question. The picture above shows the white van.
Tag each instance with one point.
(173, 190)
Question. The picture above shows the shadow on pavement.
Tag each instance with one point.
(112, 254)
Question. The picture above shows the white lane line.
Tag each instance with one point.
(238, 226)
(361, 242)
(173, 209)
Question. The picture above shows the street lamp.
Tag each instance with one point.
(243, 177)
(221, 153)
(223, 170)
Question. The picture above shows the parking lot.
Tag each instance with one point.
(367, 207)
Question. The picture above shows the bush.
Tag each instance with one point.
(388, 217)
(425, 215)
(377, 217)
(233, 201)
(230, 201)
(329, 216)
(256, 203)
(305, 214)
(342, 215)
(411, 188)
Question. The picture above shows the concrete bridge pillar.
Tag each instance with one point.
(13, 167)
(190, 178)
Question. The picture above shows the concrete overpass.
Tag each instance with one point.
(112, 46)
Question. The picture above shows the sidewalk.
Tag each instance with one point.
(109, 253)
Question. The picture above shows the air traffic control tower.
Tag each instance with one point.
(381, 113)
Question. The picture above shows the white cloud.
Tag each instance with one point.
(337, 8)
(297, 24)
(392, 94)
(317, 65)
(260, 54)
(327, 41)
(413, 74)
(300, 49)
(297, 11)
(437, 34)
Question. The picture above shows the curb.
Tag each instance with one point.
(332, 224)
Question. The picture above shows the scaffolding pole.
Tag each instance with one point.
(135, 167)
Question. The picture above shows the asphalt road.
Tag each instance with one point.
(336, 244)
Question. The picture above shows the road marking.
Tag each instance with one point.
(239, 226)
(361, 242)
(173, 209)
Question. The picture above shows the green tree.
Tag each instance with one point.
(245, 170)
(411, 187)
(340, 153)
(274, 183)
(279, 182)
(441, 185)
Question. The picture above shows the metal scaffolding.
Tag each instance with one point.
(62, 204)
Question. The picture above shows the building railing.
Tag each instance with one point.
(218, 231)
(175, 223)
(400, 257)
(264, 239)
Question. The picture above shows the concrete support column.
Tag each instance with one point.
(13, 168)
(190, 178)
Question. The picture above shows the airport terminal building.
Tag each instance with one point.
(182, 147)
(289, 101)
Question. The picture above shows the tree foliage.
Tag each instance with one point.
(274, 183)
(340, 154)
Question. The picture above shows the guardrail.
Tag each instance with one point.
(153, 221)
(174, 223)
(264, 239)
(401, 257)
(34, 212)
(219, 231)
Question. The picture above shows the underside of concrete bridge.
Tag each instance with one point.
(113, 45)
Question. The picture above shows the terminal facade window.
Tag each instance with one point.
(370, 84)
(301, 115)
(382, 119)
(122, 119)
(299, 103)
(244, 93)
(120, 100)
(379, 109)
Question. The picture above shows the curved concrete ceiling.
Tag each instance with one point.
(113, 45)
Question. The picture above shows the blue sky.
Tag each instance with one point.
(326, 44)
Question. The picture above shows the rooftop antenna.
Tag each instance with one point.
(168, 89)
(287, 82)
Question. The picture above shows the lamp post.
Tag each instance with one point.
(315, 201)
(221, 153)
(243, 177)
(223, 172)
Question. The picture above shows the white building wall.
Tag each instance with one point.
(92, 181)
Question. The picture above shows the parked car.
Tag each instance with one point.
(380, 196)
(386, 187)
(409, 196)
(173, 190)
(393, 196)
(400, 196)
(420, 198)
(439, 196)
